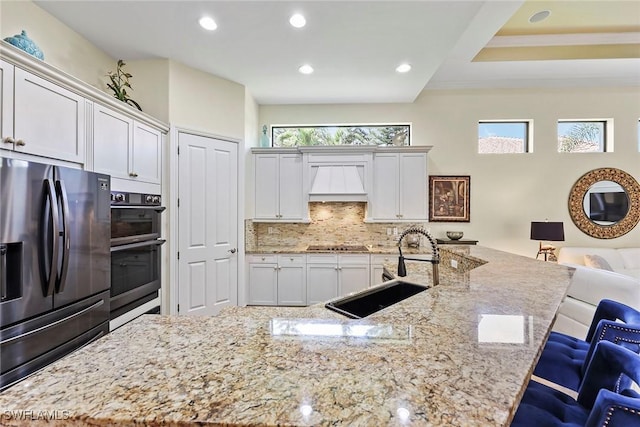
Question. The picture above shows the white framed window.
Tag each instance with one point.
(504, 136)
(397, 134)
(585, 136)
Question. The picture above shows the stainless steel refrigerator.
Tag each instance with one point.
(54, 264)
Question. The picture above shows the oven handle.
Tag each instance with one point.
(118, 241)
(156, 242)
(155, 208)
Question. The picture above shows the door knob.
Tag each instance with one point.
(233, 251)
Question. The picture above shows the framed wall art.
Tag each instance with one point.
(449, 198)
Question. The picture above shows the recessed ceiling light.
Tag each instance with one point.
(403, 68)
(306, 69)
(539, 16)
(208, 23)
(297, 20)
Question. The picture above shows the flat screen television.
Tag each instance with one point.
(611, 206)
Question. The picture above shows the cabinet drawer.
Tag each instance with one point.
(263, 258)
(383, 259)
(353, 259)
(322, 259)
(291, 259)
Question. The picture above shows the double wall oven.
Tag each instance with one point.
(135, 256)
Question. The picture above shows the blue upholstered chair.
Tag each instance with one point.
(604, 397)
(564, 358)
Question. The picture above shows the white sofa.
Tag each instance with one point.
(589, 284)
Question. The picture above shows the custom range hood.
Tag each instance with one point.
(337, 184)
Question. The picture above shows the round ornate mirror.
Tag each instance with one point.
(605, 203)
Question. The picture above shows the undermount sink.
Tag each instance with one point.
(368, 302)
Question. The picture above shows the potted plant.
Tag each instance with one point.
(119, 83)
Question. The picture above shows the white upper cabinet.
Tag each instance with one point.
(146, 154)
(48, 113)
(278, 187)
(125, 148)
(112, 137)
(400, 186)
(48, 120)
(6, 99)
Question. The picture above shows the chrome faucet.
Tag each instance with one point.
(435, 259)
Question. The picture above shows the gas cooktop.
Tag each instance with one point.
(337, 248)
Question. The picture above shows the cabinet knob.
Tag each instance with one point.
(20, 143)
(133, 174)
(8, 140)
(263, 258)
(291, 259)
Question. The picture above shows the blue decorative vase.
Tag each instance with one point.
(21, 41)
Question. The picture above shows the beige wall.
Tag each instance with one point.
(167, 90)
(204, 102)
(507, 191)
(62, 47)
(150, 86)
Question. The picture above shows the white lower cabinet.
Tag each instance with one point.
(330, 276)
(263, 279)
(377, 262)
(322, 278)
(299, 279)
(277, 280)
(292, 280)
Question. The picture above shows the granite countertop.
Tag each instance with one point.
(302, 249)
(457, 354)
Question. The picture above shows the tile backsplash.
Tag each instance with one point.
(331, 223)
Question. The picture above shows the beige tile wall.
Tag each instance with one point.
(331, 223)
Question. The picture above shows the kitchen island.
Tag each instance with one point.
(457, 354)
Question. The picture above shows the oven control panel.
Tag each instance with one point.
(119, 198)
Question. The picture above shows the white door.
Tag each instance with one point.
(207, 224)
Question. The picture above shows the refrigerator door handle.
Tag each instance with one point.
(3, 272)
(61, 193)
(50, 279)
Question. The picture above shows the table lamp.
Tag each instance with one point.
(547, 231)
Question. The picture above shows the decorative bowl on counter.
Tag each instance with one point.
(454, 235)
